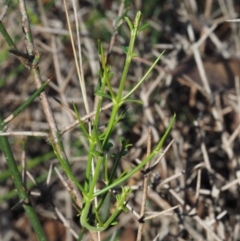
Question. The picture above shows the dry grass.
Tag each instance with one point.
(198, 78)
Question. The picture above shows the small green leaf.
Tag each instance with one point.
(125, 209)
(109, 146)
(110, 75)
(129, 145)
(133, 55)
(125, 49)
(126, 190)
(81, 124)
(114, 223)
(133, 101)
(137, 19)
(118, 197)
(97, 153)
(100, 73)
(123, 141)
(129, 23)
(99, 93)
(146, 25)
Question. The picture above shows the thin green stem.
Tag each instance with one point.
(7, 36)
(130, 55)
(96, 175)
(94, 141)
(142, 79)
(84, 219)
(25, 104)
(69, 173)
(118, 101)
(22, 192)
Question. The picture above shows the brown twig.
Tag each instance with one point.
(145, 188)
(54, 133)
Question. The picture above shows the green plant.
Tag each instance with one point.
(100, 147)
